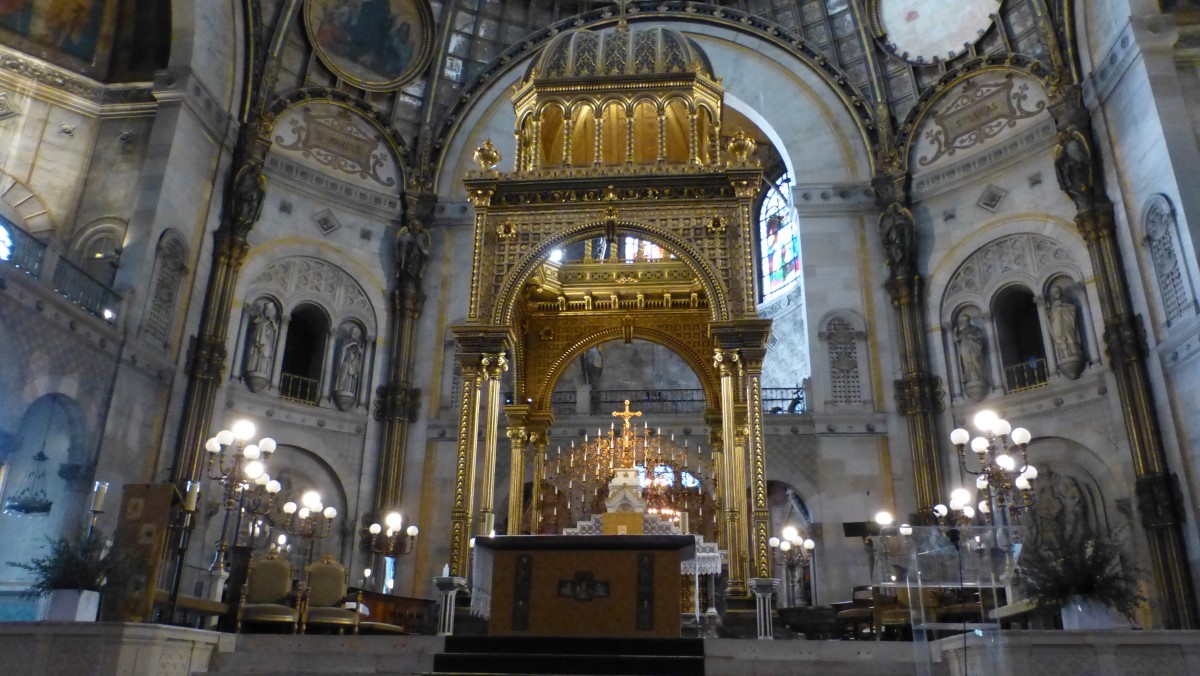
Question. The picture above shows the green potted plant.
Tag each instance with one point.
(1072, 569)
(72, 573)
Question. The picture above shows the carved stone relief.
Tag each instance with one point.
(1026, 253)
(845, 375)
(1162, 235)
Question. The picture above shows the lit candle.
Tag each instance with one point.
(98, 493)
(193, 494)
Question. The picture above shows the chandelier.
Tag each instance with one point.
(1004, 477)
(676, 480)
(30, 499)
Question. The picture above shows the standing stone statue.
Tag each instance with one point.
(897, 231)
(1064, 329)
(349, 370)
(1073, 167)
(971, 361)
(593, 365)
(260, 352)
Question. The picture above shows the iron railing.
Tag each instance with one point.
(299, 389)
(1028, 375)
(776, 401)
(783, 400)
(84, 290)
(20, 249)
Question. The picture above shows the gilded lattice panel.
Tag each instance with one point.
(513, 242)
(552, 341)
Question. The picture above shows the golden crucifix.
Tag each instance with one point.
(627, 414)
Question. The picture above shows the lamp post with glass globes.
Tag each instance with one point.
(310, 520)
(240, 469)
(793, 551)
(1005, 477)
(393, 541)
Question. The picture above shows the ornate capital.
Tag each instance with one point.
(919, 393)
(725, 361)
(208, 358)
(493, 366)
(397, 402)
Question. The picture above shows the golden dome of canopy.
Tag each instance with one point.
(622, 52)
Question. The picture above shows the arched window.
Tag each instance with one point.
(1019, 334)
(779, 240)
(304, 355)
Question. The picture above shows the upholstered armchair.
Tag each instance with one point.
(325, 598)
(267, 594)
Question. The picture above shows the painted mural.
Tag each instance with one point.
(373, 44)
(73, 33)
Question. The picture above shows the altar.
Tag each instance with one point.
(580, 585)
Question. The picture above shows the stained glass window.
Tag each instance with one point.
(779, 240)
(6, 243)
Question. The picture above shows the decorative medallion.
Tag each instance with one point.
(926, 31)
(372, 44)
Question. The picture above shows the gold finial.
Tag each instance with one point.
(487, 157)
(627, 414)
(622, 24)
(740, 146)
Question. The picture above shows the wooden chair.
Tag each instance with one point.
(858, 620)
(267, 594)
(325, 598)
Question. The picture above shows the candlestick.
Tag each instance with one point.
(193, 494)
(98, 492)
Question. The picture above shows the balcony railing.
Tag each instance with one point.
(20, 249)
(783, 400)
(85, 291)
(650, 401)
(1027, 375)
(776, 401)
(299, 389)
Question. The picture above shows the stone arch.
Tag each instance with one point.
(459, 135)
(24, 207)
(1010, 65)
(297, 279)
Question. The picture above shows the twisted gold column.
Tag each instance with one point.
(464, 474)
(760, 520)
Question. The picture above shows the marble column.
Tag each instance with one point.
(1080, 175)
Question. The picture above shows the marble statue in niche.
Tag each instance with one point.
(971, 359)
(260, 346)
(348, 372)
(1064, 329)
(593, 365)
